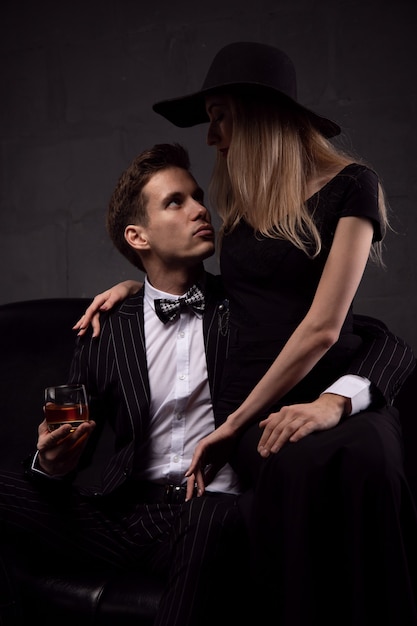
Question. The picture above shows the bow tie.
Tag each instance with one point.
(167, 310)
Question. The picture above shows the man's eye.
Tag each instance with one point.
(174, 202)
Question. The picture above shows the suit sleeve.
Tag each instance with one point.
(384, 358)
(81, 372)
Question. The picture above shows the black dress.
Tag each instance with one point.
(332, 514)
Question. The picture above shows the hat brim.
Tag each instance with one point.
(190, 110)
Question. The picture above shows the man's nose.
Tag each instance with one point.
(200, 211)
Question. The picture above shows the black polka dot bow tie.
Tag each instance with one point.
(167, 310)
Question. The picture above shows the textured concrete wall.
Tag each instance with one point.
(78, 79)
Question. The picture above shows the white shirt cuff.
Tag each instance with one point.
(36, 468)
(356, 388)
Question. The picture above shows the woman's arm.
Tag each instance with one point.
(103, 302)
(320, 328)
(313, 337)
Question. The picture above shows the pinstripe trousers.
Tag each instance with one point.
(192, 544)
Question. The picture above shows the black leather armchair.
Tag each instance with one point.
(36, 345)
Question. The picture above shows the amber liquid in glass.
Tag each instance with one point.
(56, 415)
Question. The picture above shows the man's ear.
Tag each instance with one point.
(136, 237)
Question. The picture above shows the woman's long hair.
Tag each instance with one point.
(274, 152)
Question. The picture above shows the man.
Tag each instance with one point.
(156, 382)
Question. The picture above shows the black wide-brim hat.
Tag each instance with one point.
(242, 66)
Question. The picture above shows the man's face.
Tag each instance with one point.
(179, 231)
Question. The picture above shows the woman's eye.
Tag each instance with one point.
(216, 117)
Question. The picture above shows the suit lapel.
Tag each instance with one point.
(216, 332)
(129, 340)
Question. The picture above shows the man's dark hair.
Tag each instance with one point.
(127, 204)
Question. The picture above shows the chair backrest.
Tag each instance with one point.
(36, 346)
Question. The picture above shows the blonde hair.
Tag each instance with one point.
(274, 153)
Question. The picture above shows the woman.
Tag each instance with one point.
(332, 514)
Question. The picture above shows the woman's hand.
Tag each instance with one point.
(103, 302)
(296, 421)
(210, 454)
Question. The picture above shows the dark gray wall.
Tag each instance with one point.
(78, 79)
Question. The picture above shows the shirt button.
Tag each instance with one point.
(182, 377)
(180, 416)
(176, 459)
(181, 334)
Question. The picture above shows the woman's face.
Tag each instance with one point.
(219, 132)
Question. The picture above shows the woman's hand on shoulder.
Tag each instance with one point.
(104, 302)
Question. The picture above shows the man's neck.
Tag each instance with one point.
(175, 282)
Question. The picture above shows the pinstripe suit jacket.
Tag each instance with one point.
(384, 358)
(114, 369)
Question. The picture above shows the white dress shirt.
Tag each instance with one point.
(181, 411)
